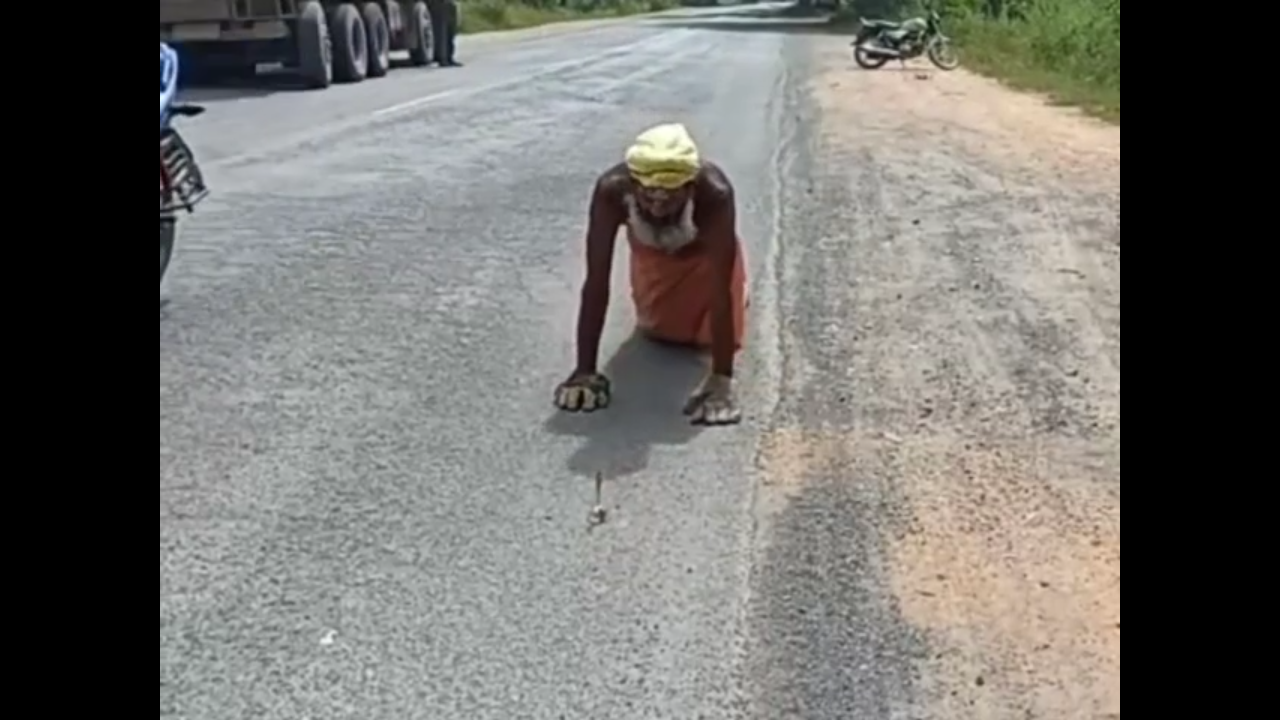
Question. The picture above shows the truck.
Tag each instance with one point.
(323, 41)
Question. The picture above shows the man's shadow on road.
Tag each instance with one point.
(651, 382)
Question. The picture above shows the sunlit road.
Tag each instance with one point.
(367, 507)
(370, 511)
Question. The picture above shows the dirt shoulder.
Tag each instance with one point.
(943, 474)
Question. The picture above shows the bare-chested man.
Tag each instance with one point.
(688, 281)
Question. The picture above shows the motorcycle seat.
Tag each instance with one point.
(888, 24)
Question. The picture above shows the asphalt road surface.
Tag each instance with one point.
(369, 510)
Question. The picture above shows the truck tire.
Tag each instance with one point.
(315, 48)
(379, 40)
(350, 44)
(440, 18)
(420, 23)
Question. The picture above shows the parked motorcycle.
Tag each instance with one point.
(181, 183)
(880, 41)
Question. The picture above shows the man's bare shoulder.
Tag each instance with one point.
(713, 185)
(613, 183)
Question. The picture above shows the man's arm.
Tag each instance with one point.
(721, 235)
(602, 231)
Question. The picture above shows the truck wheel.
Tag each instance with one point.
(315, 49)
(420, 23)
(350, 45)
(379, 39)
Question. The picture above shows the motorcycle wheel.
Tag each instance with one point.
(943, 54)
(168, 229)
(867, 61)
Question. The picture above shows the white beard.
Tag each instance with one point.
(669, 237)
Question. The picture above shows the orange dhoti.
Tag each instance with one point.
(673, 291)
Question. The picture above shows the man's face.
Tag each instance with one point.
(661, 203)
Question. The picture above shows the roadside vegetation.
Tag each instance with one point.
(1068, 49)
(486, 15)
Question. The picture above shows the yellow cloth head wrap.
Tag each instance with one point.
(664, 157)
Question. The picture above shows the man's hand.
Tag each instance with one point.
(712, 403)
(584, 392)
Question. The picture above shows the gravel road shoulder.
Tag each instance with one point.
(940, 500)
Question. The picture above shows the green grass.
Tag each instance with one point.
(1066, 49)
(487, 15)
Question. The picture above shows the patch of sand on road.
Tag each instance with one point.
(1011, 563)
(789, 454)
(981, 229)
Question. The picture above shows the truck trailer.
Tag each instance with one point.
(323, 41)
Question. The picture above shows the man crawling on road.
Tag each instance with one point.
(688, 281)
